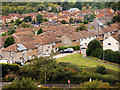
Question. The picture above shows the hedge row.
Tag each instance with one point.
(9, 67)
(95, 50)
(108, 55)
(76, 47)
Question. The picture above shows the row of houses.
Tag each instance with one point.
(74, 13)
(28, 46)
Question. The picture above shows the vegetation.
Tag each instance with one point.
(6, 68)
(11, 30)
(24, 8)
(9, 41)
(94, 84)
(77, 59)
(21, 83)
(95, 50)
(101, 69)
(77, 47)
(27, 19)
(39, 31)
(39, 18)
(81, 28)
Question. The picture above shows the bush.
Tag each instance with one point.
(95, 84)
(101, 69)
(9, 67)
(24, 83)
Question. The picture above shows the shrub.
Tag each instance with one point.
(24, 83)
(101, 69)
(9, 67)
(95, 84)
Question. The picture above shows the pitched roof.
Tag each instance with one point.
(117, 37)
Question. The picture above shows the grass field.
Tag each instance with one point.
(77, 59)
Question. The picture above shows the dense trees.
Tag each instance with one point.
(9, 41)
(23, 8)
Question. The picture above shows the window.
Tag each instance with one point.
(109, 43)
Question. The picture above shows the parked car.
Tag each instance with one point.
(83, 46)
(20, 63)
(68, 50)
(46, 55)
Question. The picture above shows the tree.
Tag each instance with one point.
(71, 20)
(11, 30)
(78, 5)
(92, 46)
(33, 22)
(23, 24)
(3, 34)
(27, 19)
(86, 19)
(17, 22)
(91, 18)
(12, 21)
(115, 6)
(24, 83)
(87, 6)
(81, 28)
(39, 18)
(9, 41)
(63, 22)
(116, 18)
(40, 31)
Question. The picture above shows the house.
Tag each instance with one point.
(73, 10)
(19, 52)
(71, 39)
(64, 17)
(46, 43)
(112, 43)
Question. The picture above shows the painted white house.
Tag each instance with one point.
(112, 43)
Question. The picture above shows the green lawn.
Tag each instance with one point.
(77, 59)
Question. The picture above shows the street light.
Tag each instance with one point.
(45, 73)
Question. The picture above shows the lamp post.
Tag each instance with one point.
(45, 73)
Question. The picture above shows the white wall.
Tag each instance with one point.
(114, 44)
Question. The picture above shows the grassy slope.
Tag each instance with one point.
(77, 59)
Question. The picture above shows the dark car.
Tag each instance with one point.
(20, 63)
